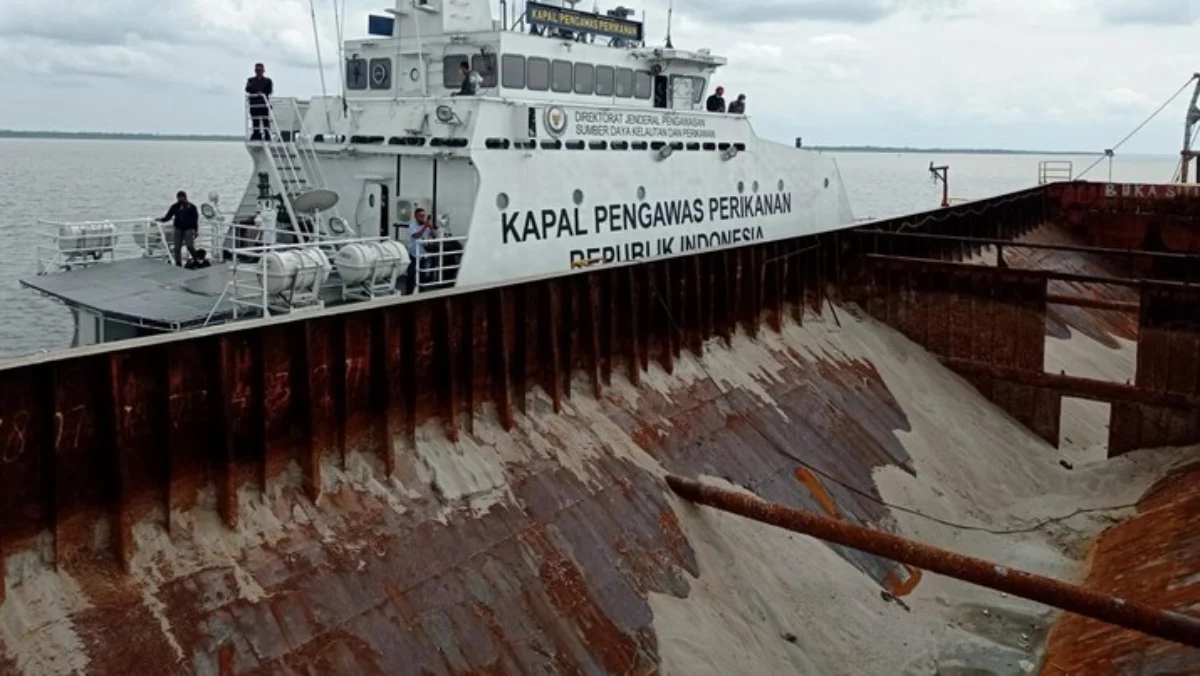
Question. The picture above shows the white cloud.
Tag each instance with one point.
(1022, 73)
(1151, 12)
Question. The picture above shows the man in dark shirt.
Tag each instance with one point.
(738, 107)
(259, 89)
(716, 102)
(468, 82)
(187, 223)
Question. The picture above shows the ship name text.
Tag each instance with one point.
(642, 226)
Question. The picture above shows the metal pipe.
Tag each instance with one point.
(1162, 624)
(1093, 303)
(992, 241)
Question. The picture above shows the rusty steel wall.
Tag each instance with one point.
(1168, 360)
(1154, 558)
(554, 581)
(1156, 218)
(132, 430)
(971, 316)
(1111, 259)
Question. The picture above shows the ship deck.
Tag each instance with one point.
(142, 291)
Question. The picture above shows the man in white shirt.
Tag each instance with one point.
(422, 230)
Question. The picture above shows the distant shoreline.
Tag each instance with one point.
(115, 136)
(891, 150)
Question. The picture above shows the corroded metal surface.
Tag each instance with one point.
(1110, 260)
(1154, 557)
(115, 462)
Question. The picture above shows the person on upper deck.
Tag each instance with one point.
(738, 107)
(470, 81)
(716, 102)
(187, 223)
(258, 90)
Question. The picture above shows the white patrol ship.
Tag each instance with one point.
(580, 147)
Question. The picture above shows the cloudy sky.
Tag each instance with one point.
(1046, 74)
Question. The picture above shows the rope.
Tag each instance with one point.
(1139, 127)
(339, 22)
(312, 8)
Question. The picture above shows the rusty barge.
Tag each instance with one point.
(473, 482)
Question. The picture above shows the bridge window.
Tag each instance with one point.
(604, 81)
(356, 73)
(485, 65)
(537, 74)
(585, 78)
(561, 80)
(512, 70)
(698, 85)
(643, 86)
(451, 76)
(624, 83)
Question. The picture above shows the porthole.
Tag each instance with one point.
(502, 201)
(641, 193)
(781, 185)
(741, 187)
(578, 197)
(756, 186)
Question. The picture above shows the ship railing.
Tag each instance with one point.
(298, 278)
(1050, 171)
(437, 262)
(72, 245)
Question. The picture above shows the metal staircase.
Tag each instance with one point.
(292, 162)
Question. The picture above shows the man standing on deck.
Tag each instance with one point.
(187, 223)
(716, 102)
(259, 89)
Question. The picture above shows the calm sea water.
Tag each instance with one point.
(92, 180)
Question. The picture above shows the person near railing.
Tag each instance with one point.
(187, 224)
(738, 107)
(421, 230)
(258, 96)
(716, 102)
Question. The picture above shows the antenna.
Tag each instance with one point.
(670, 12)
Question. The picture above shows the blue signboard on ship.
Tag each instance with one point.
(561, 18)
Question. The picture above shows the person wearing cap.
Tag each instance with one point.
(187, 223)
(716, 102)
(738, 107)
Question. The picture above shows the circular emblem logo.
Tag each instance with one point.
(556, 121)
(379, 74)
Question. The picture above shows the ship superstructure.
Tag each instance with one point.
(581, 146)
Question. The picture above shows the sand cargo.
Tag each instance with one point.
(473, 483)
